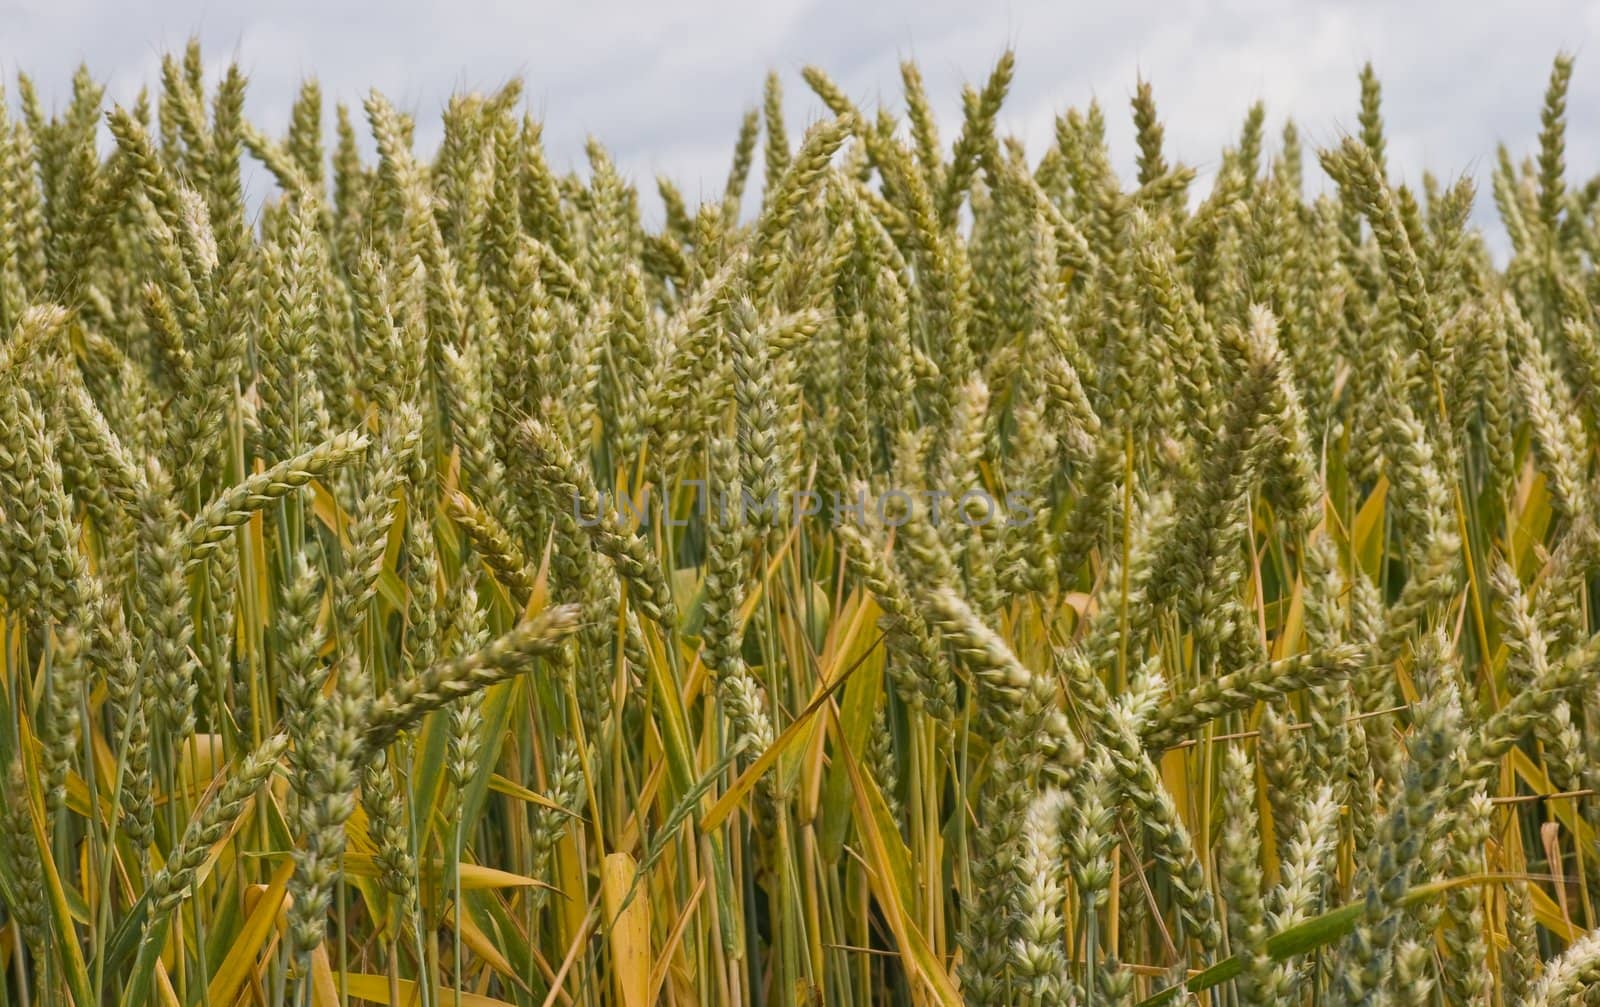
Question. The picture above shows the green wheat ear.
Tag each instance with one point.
(1190, 597)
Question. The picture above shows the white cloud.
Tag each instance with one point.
(664, 85)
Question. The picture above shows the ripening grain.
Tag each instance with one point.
(977, 577)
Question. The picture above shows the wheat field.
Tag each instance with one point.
(947, 574)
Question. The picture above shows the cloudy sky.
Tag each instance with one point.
(663, 85)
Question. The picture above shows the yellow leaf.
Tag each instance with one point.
(376, 989)
(630, 930)
(327, 509)
(247, 944)
(1550, 915)
(797, 729)
(1366, 538)
(510, 788)
(890, 875)
(323, 991)
(203, 758)
(473, 876)
(1565, 811)
(473, 937)
(1287, 643)
(658, 974)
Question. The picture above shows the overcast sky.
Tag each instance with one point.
(663, 85)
